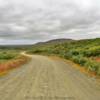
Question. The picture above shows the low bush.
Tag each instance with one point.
(7, 55)
(93, 66)
(80, 60)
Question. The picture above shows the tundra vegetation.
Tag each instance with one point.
(83, 52)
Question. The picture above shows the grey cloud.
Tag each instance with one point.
(39, 20)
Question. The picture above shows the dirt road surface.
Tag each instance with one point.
(48, 79)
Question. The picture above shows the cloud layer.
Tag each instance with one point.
(27, 21)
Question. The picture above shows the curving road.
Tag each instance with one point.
(47, 79)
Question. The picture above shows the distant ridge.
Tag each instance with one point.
(55, 41)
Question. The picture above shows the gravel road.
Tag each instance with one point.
(44, 78)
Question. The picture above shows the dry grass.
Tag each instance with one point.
(11, 64)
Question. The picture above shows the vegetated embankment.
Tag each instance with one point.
(10, 60)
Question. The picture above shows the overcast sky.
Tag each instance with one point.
(30, 21)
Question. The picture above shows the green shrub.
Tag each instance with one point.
(67, 55)
(98, 70)
(7, 55)
(80, 60)
(92, 65)
(92, 51)
(74, 52)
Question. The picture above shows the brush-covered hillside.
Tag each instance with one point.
(83, 52)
